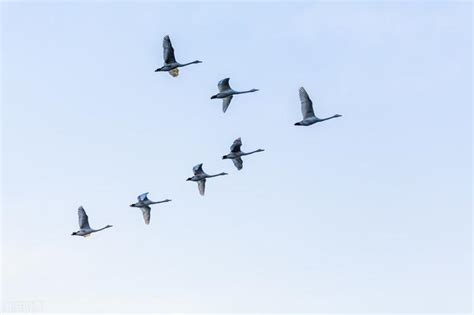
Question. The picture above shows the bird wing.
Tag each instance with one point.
(223, 85)
(226, 103)
(168, 50)
(197, 170)
(238, 163)
(143, 197)
(146, 214)
(83, 219)
(235, 147)
(202, 186)
(306, 104)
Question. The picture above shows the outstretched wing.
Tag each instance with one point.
(197, 170)
(235, 147)
(83, 219)
(146, 214)
(168, 50)
(226, 103)
(202, 186)
(143, 197)
(238, 163)
(306, 104)
(223, 85)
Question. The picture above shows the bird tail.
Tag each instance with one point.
(174, 73)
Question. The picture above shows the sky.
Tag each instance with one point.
(370, 212)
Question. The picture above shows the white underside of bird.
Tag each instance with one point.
(84, 228)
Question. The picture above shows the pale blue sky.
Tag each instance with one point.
(370, 212)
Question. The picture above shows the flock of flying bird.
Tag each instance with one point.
(226, 93)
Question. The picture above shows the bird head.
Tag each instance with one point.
(224, 157)
(74, 233)
(213, 97)
(189, 178)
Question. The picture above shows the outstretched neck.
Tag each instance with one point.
(190, 63)
(155, 202)
(252, 152)
(334, 116)
(105, 227)
(220, 174)
(248, 91)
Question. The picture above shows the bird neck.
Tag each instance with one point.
(105, 227)
(190, 63)
(155, 202)
(252, 152)
(248, 91)
(334, 116)
(220, 174)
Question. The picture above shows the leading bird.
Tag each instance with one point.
(309, 117)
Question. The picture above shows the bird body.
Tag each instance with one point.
(84, 227)
(236, 154)
(170, 64)
(200, 177)
(226, 93)
(144, 204)
(309, 117)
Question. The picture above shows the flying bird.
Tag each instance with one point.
(170, 63)
(309, 117)
(226, 93)
(85, 229)
(236, 155)
(144, 204)
(200, 177)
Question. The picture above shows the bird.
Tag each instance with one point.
(200, 177)
(144, 204)
(170, 64)
(235, 153)
(85, 229)
(307, 109)
(226, 93)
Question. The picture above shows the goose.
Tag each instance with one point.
(226, 93)
(200, 177)
(235, 153)
(85, 229)
(170, 64)
(144, 204)
(307, 109)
